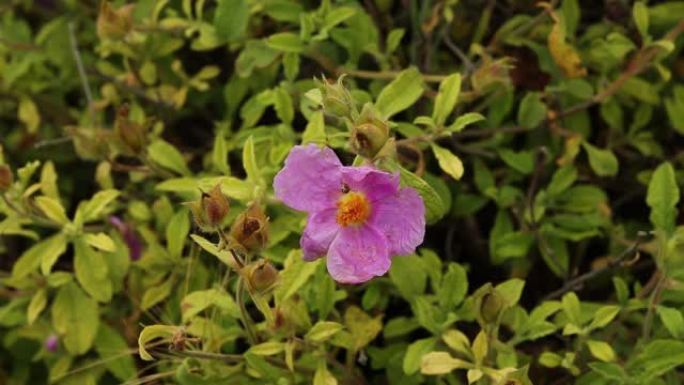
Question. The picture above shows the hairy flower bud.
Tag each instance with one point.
(210, 210)
(131, 134)
(6, 177)
(261, 276)
(114, 23)
(250, 229)
(370, 133)
(336, 98)
(491, 306)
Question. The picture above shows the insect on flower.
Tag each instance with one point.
(359, 217)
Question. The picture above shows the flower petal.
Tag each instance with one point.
(376, 184)
(321, 229)
(358, 254)
(401, 218)
(310, 180)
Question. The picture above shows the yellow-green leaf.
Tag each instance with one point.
(448, 162)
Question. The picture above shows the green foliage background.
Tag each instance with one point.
(545, 139)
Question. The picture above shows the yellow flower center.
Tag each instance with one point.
(353, 208)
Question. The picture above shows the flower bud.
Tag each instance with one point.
(370, 133)
(51, 343)
(114, 24)
(491, 306)
(336, 98)
(132, 134)
(367, 139)
(6, 177)
(490, 74)
(129, 236)
(210, 210)
(250, 229)
(261, 276)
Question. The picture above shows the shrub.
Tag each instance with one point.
(531, 149)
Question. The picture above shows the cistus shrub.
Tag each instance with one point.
(391, 192)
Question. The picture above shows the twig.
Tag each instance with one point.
(467, 63)
(580, 280)
(652, 303)
(81, 70)
(247, 321)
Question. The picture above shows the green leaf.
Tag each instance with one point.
(448, 162)
(177, 231)
(322, 376)
(157, 293)
(465, 120)
(315, 129)
(408, 276)
(522, 161)
(562, 179)
(92, 209)
(571, 16)
(100, 241)
(608, 370)
(671, 318)
(601, 350)
(269, 348)
(28, 114)
(198, 301)
(285, 42)
(571, 307)
(44, 254)
(603, 162)
(640, 14)
(438, 363)
(249, 161)
(435, 208)
(401, 93)
(231, 19)
(532, 110)
(223, 255)
(662, 197)
(293, 277)
(91, 271)
(283, 105)
(603, 316)
(115, 353)
(511, 290)
(454, 286)
(167, 156)
(394, 39)
(150, 333)
(52, 209)
(36, 306)
(362, 327)
(446, 99)
(415, 352)
(658, 357)
(322, 331)
(219, 154)
(75, 317)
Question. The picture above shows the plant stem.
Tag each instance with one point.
(247, 321)
(81, 71)
(652, 303)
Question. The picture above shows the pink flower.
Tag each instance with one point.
(358, 216)
(128, 234)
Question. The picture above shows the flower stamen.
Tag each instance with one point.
(353, 208)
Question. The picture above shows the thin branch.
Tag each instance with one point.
(81, 70)
(577, 282)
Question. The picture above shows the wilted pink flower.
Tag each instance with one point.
(129, 236)
(358, 216)
(51, 343)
